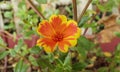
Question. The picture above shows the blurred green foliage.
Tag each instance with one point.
(76, 60)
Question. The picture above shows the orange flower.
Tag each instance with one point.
(58, 32)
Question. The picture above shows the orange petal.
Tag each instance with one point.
(70, 30)
(48, 44)
(71, 40)
(63, 45)
(63, 48)
(45, 29)
(58, 22)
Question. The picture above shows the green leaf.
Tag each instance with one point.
(11, 25)
(79, 66)
(33, 61)
(12, 52)
(67, 60)
(83, 21)
(35, 50)
(8, 14)
(67, 63)
(19, 45)
(85, 43)
(2, 42)
(42, 1)
(118, 47)
(117, 34)
(18, 67)
(103, 69)
(21, 67)
(3, 54)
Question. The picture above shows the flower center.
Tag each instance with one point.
(58, 37)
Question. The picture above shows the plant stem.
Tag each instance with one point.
(88, 3)
(35, 9)
(89, 23)
(74, 10)
(5, 64)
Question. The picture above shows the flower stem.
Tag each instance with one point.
(35, 9)
(74, 10)
(88, 3)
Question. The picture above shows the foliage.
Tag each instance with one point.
(86, 56)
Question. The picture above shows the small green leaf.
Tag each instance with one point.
(103, 69)
(118, 47)
(79, 66)
(3, 54)
(12, 52)
(21, 67)
(117, 34)
(85, 43)
(67, 60)
(33, 60)
(2, 42)
(19, 45)
(18, 66)
(83, 21)
(42, 1)
(35, 50)
(8, 14)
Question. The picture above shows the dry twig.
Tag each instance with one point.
(74, 10)
(35, 9)
(88, 3)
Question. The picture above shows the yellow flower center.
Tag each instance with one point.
(58, 37)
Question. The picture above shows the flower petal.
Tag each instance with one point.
(72, 22)
(63, 45)
(48, 44)
(58, 22)
(71, 40)
(77, 35)
(63, 48)
(45, 29)
(70, 30)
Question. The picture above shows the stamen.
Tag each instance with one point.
(58, 37)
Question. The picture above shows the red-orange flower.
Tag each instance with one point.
(58, 32)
